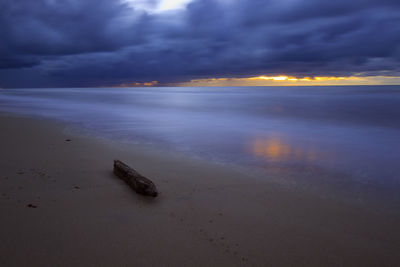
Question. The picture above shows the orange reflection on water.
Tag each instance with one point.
(275, 149)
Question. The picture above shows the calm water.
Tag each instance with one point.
(354, 131)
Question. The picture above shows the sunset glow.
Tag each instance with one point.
(200, 133)
(283, 80)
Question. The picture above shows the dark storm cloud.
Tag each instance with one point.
(103, 42)
(53, 27)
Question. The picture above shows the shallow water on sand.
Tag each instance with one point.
(354, 131)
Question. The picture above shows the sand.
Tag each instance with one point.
(80, 214)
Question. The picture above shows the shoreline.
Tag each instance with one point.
(206, 215)
(306, 181)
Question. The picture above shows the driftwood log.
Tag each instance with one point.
(135, 180)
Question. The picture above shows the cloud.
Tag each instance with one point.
(105, 42)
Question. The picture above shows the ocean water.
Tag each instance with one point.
(351, 131)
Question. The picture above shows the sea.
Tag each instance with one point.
(344, 137)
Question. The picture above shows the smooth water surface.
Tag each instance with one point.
(354, 131)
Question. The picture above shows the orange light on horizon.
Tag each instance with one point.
(274, 78)
(284, 80)
(295, 79)
(279, 80)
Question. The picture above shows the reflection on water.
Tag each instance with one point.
(351, 130)
(274, 149)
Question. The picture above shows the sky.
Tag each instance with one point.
(111, 43)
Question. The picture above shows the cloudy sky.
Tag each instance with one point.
(77, 43)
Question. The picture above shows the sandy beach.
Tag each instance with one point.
(61, 205)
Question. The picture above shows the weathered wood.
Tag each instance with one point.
(135, 180)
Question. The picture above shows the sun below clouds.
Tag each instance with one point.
(283, 80)
(91, 43)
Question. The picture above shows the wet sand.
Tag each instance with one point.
(62, 206)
